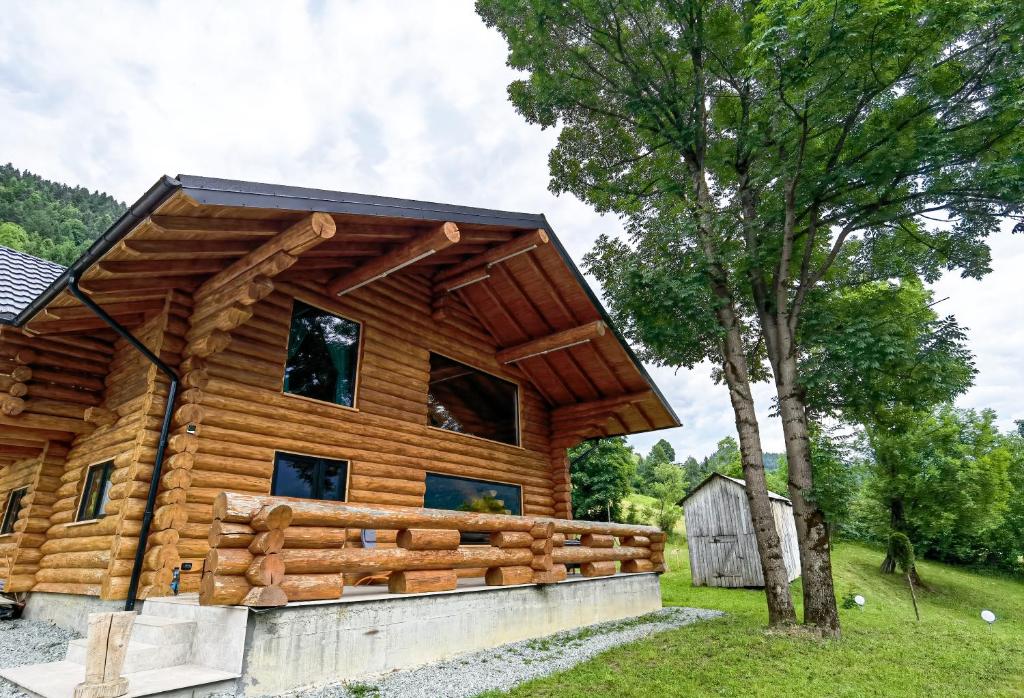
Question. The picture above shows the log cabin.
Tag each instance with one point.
(270, 395)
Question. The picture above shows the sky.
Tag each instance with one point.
(397, 98)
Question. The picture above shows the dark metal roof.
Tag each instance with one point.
(22, 278)
(227, 192)
(735, 481)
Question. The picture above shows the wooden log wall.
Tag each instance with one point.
(241, 417)
(269, 551)
(95, 557)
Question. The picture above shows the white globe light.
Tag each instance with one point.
(859, 600)
(988, 616)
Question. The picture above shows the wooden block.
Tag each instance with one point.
(265, 597)
(595, 540)
(635, 541)
(428, 539)
(504, 576)
(557, 573)
(634, 566)
(511, 539)
(419, 581)
(598, 569)
(542, 562)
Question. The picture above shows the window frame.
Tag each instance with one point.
(7, 524)
(519, 406)
(107, 469)
(320, 305)
(519, 485)
(346, 481)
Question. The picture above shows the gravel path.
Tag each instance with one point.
(507, 666)
(30, 642)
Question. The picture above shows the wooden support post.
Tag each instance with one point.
(108, 637)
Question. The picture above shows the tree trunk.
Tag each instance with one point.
(895, 524)
(769, 545)
(820, 609)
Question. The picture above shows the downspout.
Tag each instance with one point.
(165, 429)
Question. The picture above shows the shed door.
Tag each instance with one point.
(725, 554)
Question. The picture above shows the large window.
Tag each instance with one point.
(323, 350)
(12, 510)
(467, 494)
(96, 492)
(469, 401)
(309, 477)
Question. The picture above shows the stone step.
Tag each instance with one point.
(58, 680)
(160, 630)
(140, 656)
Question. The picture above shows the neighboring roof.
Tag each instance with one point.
(157, 217)
(735, 481)
(22, 278)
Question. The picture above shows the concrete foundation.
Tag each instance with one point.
(69, 611)
(370, 634)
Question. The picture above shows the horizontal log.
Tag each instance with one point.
(553, 342)
(312, 587)
(575, 554)
(505, 576)
(422, 581)
(597, 540)
(334, 561)
(557, 573)
(567, 526)
(240, 508)
(604, 568)
(511, 539)
(635, 566)
(428, 539)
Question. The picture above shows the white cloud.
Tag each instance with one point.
(403, 99)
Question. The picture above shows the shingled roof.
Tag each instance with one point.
(22, 278)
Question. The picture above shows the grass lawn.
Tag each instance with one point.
(884, 651)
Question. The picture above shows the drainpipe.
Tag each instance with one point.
(165, 428)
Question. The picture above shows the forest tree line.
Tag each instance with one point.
(51, 220)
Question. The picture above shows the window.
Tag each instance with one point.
(323, 350)
(469, 401)
(13, 509)
(96, 492)
(309, 477)
(467, 494)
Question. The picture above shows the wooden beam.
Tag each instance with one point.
(597, 407)
(150, 283)
(553, 342)
(440, 238)
(496, 255)
(462, 280)
(203, 226)
(304, 235)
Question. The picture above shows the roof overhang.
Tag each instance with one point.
(591, 408)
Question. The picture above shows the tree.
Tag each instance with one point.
(13, 235)
(668, 488)
(601, 472)
(661, 452)
(764, 155)
(694, 473)
(726, 459)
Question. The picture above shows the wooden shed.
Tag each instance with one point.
(720, 535)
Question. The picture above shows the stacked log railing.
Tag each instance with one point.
(269, 551)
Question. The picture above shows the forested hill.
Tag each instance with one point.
(49, 219)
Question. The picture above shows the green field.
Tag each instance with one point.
(884, 651)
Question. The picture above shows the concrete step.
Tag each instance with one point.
(140, 656)
(58, 680)
(160, 630)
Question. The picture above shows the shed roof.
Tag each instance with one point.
(185, 229)
(22, 278)
(735, 481)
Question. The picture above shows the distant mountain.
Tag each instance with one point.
(50, 219)
(772, 461)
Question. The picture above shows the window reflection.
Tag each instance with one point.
(469, 401)
(323, 352)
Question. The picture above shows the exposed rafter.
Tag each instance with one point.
(440, 238)
(496, 255)
(553, 342)
(598, 407)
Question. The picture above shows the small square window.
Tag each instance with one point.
(323, 353)
(96, 492)
(309, 477)
(13, 509)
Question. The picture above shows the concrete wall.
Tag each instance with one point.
(303, 645)
(70, 611)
